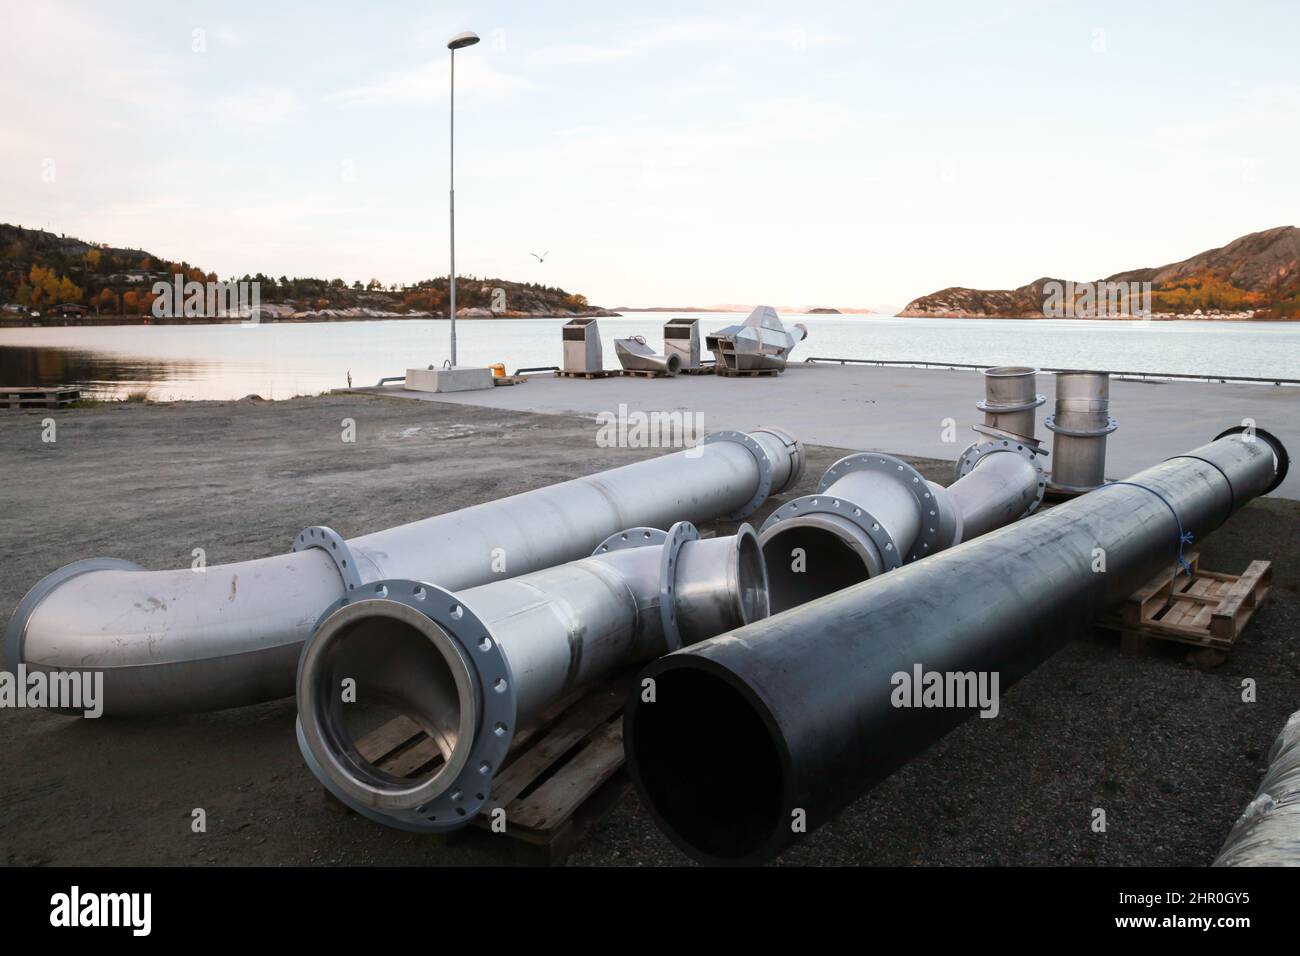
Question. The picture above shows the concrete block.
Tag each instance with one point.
(461, 378)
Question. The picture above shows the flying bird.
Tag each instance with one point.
(542, 257)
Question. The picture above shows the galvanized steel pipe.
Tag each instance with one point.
(873, 513)
(185, 640)
(470, 668)
(788, 720)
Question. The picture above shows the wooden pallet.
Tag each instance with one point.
(38, 396)
(745, 372)
(1205, 608)
(501, 380)
(696, 370)
(562, 776)
(644, 373)
(603, 373)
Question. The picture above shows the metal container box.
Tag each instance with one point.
(682, 338)
(582, 352)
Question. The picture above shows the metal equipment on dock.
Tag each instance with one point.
(759, 343)
(582, 349)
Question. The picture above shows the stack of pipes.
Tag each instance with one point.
(767, 706)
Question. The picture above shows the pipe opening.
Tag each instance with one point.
(674, 363)
(805, 562)
(751, 574)
(370, 663)
(707, 765)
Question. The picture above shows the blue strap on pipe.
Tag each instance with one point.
(1184, 537)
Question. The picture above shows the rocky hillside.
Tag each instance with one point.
(1256, 276)
(39, 270)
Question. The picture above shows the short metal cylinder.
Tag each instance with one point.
(720, 581)
(1080, 425)
(1010, 399)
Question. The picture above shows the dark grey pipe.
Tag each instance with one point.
(793, 717)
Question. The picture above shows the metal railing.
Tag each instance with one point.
(1141, 376)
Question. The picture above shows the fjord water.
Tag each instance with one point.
(279, 361)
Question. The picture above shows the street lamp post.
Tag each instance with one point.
(457, 42)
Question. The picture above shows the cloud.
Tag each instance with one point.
(640, 39)
(427, 83)
(260, 106)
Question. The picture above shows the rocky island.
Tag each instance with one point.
(49, 279)
(1254, 277)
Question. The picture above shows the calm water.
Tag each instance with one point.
(280, 361)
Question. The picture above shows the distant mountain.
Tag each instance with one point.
(1256, 276)
(39, 270)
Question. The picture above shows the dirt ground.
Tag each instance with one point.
(1169, 750)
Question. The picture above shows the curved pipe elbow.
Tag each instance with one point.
(224, 636)
(174, 641)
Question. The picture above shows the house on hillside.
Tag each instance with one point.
(68, 310)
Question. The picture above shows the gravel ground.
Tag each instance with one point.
(1168, 749)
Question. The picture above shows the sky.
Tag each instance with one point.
(848, 154)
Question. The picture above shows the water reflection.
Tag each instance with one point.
(102, 374)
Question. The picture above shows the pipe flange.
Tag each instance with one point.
(678, 535)
(764, 470)
(794, 451)
(1279, 450)
(631, 538)
(977, 452)
(999, 433)
(332, 543)
(890, 556)
(1050, 423)
(494, 688)
(17, 627)
(928, 536)
(993, 408)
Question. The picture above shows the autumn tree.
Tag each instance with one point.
(110, 301)
(48, 288)
(426, 300)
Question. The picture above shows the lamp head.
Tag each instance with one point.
(462, 40)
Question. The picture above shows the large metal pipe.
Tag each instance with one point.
(769, 731)
(1079, 428)
(470, 668)
(1268, 831)
(195, 640)
(873, 513)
